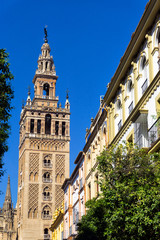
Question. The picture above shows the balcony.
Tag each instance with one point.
(46, 217)
(46, 236)
(47, 97)
(154, 133)
(47, 180)
(47, 165)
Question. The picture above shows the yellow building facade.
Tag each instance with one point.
(57, 225)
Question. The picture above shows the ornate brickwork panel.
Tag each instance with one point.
(60, 164)
(33, 196)
(58, 195)
(34, 163)
(46, 145)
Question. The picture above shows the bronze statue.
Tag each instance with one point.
(46, 35)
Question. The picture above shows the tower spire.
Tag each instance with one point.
(7, 201)
(8, 191)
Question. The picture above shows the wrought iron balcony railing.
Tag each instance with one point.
(47, 165)
(154, 132)
(46, 216)
(46, 236)
(47, 198)
(47, 180)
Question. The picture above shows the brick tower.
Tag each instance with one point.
(44, 148)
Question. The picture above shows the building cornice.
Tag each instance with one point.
(138, 37)
(95, 130)
(47, 76)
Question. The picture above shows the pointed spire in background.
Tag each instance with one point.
(29, 98)
(67, 94)
(29, 90)
(8, 191)
(67, 104)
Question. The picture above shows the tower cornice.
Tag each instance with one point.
(47, 76)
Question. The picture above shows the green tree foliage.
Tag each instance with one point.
(129, 206)
(6, 94)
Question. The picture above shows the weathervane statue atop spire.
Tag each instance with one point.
(67, 96)
(46, 35)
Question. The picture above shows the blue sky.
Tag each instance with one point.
(87, 40)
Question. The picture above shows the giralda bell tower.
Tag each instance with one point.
(44, 148)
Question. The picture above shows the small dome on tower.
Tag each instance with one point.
(45, 46)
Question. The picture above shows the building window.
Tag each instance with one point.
(38, 126)
(63, 128)
(129, 85)
(47, 162)
(130, 108)
(31, 176)
(35, 213)
(144, 74)
(119, 125)
(46, 213)
(47, 178)
(46, 194)
(81, 184)
(32, 126)
(58, 178)
(118, 104)
(96, 185)
(141, 134)
(56, 127)
(46, 90)
(144, 86)
(30, 213)
(46, 234)
(48, 124)
(89, 191)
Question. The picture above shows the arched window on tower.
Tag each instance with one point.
(46, 213)
(46, 234)
(47, 178)
(46, 65)
(35, 213)
(30, 213)
(46, 90)
(47, 162)
(63, 128)
(46, 194)
(56, 127)
(32, 126)
(38, 126)
(48, 124)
